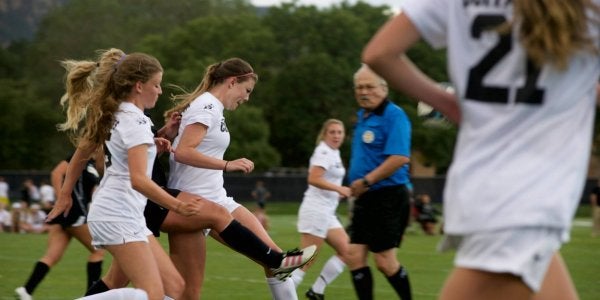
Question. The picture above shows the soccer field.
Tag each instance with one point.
(232, 276)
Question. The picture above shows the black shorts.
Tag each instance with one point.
(75, 218)
(155, 214)
(379, 218)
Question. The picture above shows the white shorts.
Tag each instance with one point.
(316, 222)
(228, 203)
(525, 252)
(117, 233)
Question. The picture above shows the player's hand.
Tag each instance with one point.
(62, 205)
(358, 188)
(188, 208)
(241, 164)
(162, 145)
(344, 192)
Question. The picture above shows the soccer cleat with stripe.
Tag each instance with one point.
(293, 260)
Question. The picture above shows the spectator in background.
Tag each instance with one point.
(30, 193)
(4, 191)
(595, 208)
(34, 220)
(426, 213)
(260, 194)
(17, 215)
(47, 196)
(5, 219)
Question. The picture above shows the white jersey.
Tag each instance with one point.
(208, 183)
(4, 188)
(46, 193)
(524, 141)
(330, 160)
(115, 200)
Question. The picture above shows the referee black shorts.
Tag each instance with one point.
(379, 218)
(155, 214)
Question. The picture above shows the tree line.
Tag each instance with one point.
(305, 58)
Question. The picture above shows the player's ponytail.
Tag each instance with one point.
(553, 30)
(78, 88)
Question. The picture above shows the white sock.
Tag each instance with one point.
(331, 270)
(297, 277)
(282, 290)
(119, 294)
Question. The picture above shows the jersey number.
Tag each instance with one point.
(477, 91)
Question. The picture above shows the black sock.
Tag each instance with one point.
(94, 270)
(244, 241)
(97, 288)
(363, 283)
(39, 272)
(400, 283)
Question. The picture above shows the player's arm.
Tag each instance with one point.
(385, 54)
(316, 178)
(186, 152)
(74, 169)
(58, 174)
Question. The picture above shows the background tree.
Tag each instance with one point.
(305, 58)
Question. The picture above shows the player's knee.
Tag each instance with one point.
(174, 286)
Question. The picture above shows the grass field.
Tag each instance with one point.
(232, 276)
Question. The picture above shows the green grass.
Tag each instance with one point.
(232, 276)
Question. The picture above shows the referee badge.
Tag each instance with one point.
(368, 136)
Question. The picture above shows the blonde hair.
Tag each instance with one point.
(325, 126)
(214, 75)
(94, 91)
(553, 30)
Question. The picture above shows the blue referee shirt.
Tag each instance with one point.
(386, 131)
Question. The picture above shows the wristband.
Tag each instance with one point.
(366, 182)
(225, 167)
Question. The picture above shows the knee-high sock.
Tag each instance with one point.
(400, 283)
(37, 275)
(94, 270)
(363, 283)
(97, 287)
(242, 240)
(331, 270)
(282, 290)
(297, 277)
(119, 294)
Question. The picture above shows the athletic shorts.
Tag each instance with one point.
(117, 233)
(75, 218)
(155, 214)
(228, 203)
(379, 218)
(524, 252)
(316, 222)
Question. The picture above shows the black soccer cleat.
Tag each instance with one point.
(310, 294)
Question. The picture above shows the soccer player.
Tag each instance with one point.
(525, 74)
(317, 221)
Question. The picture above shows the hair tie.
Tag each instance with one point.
(244, 75)
(120, 61)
